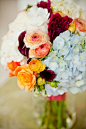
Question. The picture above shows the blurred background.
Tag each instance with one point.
(16, 107)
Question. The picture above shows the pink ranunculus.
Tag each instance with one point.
(34, 38)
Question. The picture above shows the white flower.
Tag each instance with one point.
(79, 83)
(65, 35)
(47, 61)
(75, 60)
(78, 77)
(81, 67)
(20, 23)
(58, 43)
(53, 65)
(54, 91)
(64, 75)
(83, 14)
(68, 57)
(83, 57)
(76, 50)
(75, 90)
(69, 8)
(9, 49)
(75, 39)
(64, 51)
(38, 18)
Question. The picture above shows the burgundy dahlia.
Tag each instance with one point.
(57, 25)
(48, 75)
(22, 48)
(47, 5)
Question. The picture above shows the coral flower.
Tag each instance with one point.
(12, 66)
(36, 65)
(25, 77)
(34, 38)
(41, 51)
(80, 24)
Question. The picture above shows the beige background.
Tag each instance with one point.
(8, 12)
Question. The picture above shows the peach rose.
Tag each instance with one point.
(80, 24)
(34, 38)
(25, 77)
(36, 65)
(41, 51)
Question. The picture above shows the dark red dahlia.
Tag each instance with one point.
(57, 25)
(22, 48)
(47, 5)
(48, 75)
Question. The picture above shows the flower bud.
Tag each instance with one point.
(40, 81)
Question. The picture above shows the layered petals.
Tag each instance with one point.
(34, 38)
(12, 66)
(36, 65)
(25, 77)
(41, 51)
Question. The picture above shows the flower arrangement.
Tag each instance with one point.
(45, 48)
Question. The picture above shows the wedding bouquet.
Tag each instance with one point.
(45, 48)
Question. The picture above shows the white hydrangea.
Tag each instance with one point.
(69, 8)
(38, 19)
(9, 49)
(20, 23)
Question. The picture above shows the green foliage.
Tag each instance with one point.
(28, 6)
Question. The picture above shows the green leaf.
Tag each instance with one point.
(29, 6)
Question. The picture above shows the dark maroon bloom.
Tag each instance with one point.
(48, 75)
(22, 48)
(57, 25)
(45, 5)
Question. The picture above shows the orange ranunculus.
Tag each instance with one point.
(80, 24)
(12, 66)
(34, 38)
(25, 77)
(36, 65)
(41, 51)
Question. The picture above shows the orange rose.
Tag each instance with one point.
(25, 77)
(36, 65)
(12, 66)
